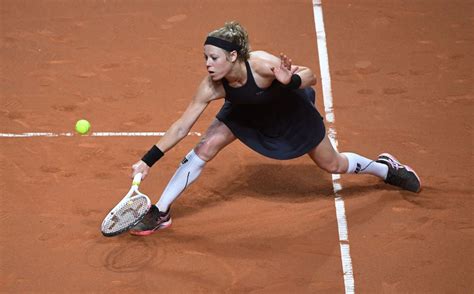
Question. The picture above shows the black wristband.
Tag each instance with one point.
(152, 156)
(295, 82)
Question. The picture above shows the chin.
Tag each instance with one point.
(215, 78)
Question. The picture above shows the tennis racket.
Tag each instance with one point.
(128, 212)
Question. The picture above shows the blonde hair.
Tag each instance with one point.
(234, 33)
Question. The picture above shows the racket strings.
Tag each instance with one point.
(127, 214)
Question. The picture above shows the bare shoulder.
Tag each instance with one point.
(264, 56)
(262, 62)
(209, 90)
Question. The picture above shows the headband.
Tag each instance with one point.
(223, 44)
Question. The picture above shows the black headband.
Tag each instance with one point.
(226, 45)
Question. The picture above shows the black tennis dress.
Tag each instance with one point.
(276, 122)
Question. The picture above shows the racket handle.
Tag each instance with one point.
(137, 179)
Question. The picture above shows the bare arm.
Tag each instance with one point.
(181, 127)
(207, 91)
(307, 77)
(286, 69)
(281, 68)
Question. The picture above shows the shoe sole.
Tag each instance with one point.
(406, 166)
(149, 232)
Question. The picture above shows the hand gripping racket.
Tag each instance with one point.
(128, 212)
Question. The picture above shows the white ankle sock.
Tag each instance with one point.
(361, 165)
(187, 172)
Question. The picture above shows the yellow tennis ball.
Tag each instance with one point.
(82, 126)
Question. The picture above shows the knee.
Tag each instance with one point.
(335, 166)
(330, 167)
(207, 149)
(216, 138)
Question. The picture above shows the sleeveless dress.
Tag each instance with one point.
(276, 122)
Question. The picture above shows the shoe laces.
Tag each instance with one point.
(396, 165)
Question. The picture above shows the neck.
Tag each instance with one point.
(237, 76)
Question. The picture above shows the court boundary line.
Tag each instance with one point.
(346, 259)
(93, 134)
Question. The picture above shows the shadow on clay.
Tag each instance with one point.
(276, 183)
(281, 182)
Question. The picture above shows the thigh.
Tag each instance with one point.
(217, 136)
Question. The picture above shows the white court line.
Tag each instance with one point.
(94, 134)
(328, 107)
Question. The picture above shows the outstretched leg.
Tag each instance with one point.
(385, 167)
(327, 158)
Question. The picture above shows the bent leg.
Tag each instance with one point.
(215, 139)
(217, 136)
(327, 158)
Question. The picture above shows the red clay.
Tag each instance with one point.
(402, 83)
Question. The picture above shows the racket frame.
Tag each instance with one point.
(133, 192)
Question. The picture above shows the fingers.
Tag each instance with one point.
(285, 61)
(140, 167)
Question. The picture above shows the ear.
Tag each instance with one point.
(233, 56)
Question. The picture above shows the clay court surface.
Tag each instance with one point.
(402, 83)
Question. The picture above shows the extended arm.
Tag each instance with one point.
(180, 128)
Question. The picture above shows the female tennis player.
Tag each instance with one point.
(270, 107)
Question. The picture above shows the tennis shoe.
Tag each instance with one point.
(154, 220)
(400, 175)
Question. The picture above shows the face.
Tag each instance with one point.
(217, 62)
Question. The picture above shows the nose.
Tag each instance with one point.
(208, 62)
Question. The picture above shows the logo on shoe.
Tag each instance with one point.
(184, 160)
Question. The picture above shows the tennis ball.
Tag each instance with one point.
(82, 126)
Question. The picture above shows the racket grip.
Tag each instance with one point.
(137, 179)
